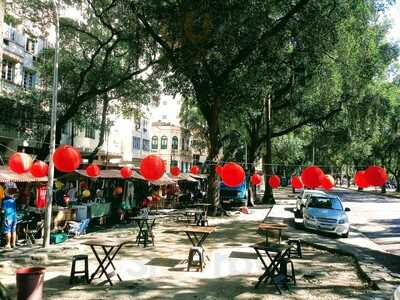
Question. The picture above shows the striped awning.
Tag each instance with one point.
(183, 177)
(110, 174)
(7, 175)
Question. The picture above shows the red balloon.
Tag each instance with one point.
(376, 176)
(218, 170)
(360, 179)
(66, 158)
(232, 174)
(125, 172)
(20, 162)
(328, 182)
(175, 171)
(39, 169)
(274, 181)
(296, 182)
(195, 170)
(152, 167)
(255, 179)
(312, 177)
(93, 170)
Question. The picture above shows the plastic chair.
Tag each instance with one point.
(77, 229)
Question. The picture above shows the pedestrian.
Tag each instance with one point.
(9, 210)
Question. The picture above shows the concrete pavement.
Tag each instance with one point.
(380, 268)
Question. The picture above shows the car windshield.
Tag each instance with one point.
(324, 202)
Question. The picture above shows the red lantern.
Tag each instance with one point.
(195, 170)
(125, 172)
(39, 169)
(274, 181)
(328, 182)
(360, 179)
(376, 176)
(93, 170)
(152, 167)
(312, 177)
(20, 162)
(218, 170)
(296, 182)
(255, 179)
(118, 190)
(175, 171)
(66, 158)
(232, 174)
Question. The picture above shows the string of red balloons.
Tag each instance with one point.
(67, 159)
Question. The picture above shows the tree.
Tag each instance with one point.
(99, 58)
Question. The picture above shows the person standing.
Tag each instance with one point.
(9, 209)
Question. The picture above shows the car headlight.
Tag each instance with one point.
(343, 220)
(309, 217)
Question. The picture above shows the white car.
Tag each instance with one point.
(302, 198)
(326, 213)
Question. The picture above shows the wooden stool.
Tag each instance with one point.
(85, 272)
(296, 249)
(197, 264)
(283, 269)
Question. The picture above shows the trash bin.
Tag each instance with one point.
(30, 283)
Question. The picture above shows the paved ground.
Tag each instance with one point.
(376, 216)
(159, 272)
(380, 267)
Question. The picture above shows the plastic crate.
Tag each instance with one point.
(57, 238)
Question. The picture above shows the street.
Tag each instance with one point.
(376, 216)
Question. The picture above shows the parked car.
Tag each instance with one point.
(302, 198)
(326, 213)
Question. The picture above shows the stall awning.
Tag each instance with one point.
(8, 176)
(164, 180)
(199, 176)
(183, 177)
(110, 174)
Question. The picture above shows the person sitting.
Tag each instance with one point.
(9, 210)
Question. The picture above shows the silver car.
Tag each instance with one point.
(302, 198)
(326, 213)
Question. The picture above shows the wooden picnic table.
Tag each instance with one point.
(197, 234)
(266, 227)
(271, 270)
(110, 247)
(145, 223)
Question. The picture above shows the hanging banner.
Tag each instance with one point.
(40, 201)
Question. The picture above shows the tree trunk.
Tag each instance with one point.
(214, 137)
(397, 178)
(268, 197)
(103, 126)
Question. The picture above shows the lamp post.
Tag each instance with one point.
(47, 224)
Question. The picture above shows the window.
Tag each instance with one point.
(164, 142)
(64, 129)
(183, 144)
(137, 124)
(89, 131)
(154, 142)
(30, 45)
(144, 125)
(146, 145)
(164, 117)
(164, 103)
(7, 72)
(174, 163)
(136, 143)
(29, 79)
(174, 143)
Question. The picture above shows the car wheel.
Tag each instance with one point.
(297, 214)
(345, 235)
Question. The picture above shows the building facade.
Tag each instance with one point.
(172, 144)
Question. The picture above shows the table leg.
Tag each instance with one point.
(140, 225)
(280, 236)
(101, 262)
(110, 259)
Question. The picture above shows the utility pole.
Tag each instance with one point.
(47, 224)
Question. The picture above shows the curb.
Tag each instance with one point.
(372, 193)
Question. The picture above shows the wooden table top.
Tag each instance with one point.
(197, 229)
(107, 242)
(272, 226)
(150, 217)
(201, 204)
(271, 247)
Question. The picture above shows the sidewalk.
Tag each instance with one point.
(380, 269)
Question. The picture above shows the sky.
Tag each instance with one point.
(394, 15)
